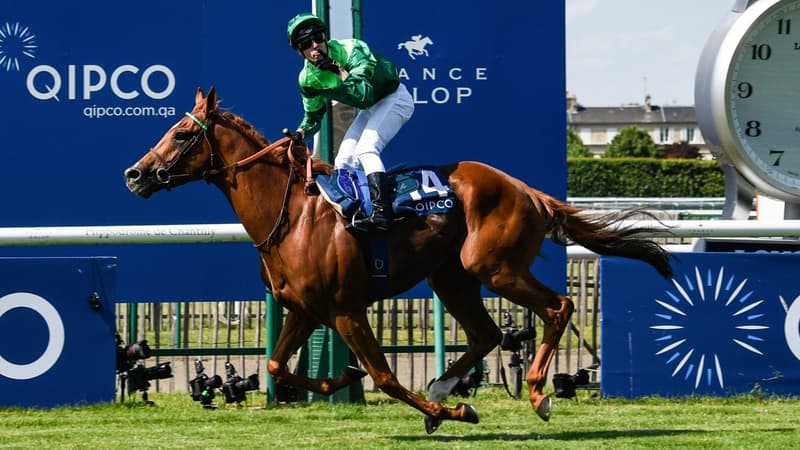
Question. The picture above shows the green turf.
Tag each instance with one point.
(586, 422)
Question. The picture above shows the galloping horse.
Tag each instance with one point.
(317, 268)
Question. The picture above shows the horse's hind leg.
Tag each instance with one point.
(460, 294)
(519, 286)
(294, 333)
(357, 333)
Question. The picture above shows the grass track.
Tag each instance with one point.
(746, 422)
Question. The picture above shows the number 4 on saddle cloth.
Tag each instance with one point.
(416, 191)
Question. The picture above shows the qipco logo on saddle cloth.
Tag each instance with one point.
(20, 50)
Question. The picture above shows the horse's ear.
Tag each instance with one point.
(199, 95)
(211, 100)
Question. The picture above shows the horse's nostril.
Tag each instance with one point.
(162, 175)
(132, 174)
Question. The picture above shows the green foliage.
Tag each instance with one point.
(633, 142)
(644, 177)
(575, 146)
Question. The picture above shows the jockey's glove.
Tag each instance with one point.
(324, 62)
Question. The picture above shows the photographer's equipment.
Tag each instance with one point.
(565, 383)
(512, 340)
(128, 355)
(236, 387)
(139, 377)
(467, 385)
(203, 386)
(133, 373)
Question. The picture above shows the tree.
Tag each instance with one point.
(633, 142)
(681, 149)
(575, 146)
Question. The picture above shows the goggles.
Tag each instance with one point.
(306, 42)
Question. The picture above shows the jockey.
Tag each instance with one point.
(346, 70)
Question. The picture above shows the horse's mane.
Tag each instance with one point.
(280, 154)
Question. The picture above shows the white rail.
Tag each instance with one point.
(125, 234)
(213, 233)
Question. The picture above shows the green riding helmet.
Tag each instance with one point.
(302, 26)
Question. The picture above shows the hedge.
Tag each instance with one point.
(644, 177)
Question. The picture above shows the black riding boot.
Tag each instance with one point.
(382, 215)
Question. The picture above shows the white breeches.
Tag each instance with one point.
(372, 129)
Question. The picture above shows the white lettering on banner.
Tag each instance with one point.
(443, 94)
(94, 79)
(453, 73)
(791, 328)
(55, 343)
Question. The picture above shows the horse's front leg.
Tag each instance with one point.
(295, 332)
(357, 333)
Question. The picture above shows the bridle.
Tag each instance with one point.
(164, 176)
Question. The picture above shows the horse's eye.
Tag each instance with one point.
(180, 136)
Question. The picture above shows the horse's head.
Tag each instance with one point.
(185, 152)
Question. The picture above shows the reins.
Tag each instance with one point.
(310, 187)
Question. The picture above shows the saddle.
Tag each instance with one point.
(415, 191)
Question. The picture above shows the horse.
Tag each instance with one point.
(416, 46)
(316, 266)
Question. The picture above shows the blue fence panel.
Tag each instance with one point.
(57, 347)
(726, 324)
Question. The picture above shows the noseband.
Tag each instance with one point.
(164, 175)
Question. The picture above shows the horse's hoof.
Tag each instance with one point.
(544, 408)
(354, 373)
(469, 414)
(432, 424)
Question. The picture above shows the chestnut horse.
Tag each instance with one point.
(317, 269)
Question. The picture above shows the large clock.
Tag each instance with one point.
(747, 99)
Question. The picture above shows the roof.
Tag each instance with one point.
(631, 115)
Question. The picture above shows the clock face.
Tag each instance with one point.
(763, 99)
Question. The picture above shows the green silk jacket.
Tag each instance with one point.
(370, 78)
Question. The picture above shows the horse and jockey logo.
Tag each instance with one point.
(416, 46)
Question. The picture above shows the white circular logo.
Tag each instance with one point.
(55, 344)
(791, 329)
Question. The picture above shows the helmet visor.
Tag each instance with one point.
(304, 42)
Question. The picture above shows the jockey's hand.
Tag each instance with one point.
(324, 62)
(298, 134)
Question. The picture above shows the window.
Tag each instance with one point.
(611, 133)
(664, 136)
(690, 135)
(586, 136)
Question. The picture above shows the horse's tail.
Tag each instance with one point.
(603, 235)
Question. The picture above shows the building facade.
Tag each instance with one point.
(598, 125)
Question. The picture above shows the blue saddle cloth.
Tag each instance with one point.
(416, 191)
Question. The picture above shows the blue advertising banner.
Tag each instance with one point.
(726, 324)
(57, 332)
(488, 84)
(89, 86)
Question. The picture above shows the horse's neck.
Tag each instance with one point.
(256, 193)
